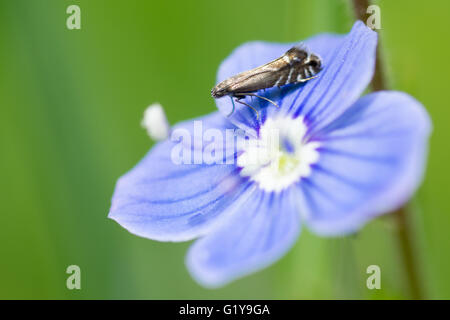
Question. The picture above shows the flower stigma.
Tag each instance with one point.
(280, 156)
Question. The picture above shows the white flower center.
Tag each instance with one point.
(280, 156)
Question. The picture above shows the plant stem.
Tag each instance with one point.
(379, 82)
(406, 246)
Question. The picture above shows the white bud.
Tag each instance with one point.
(155, 122)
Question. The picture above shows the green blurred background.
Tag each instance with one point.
(71, 103)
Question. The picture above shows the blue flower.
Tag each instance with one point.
(342, 161)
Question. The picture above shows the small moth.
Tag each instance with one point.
(296, 65)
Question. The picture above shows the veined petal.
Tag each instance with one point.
(164, 201)
(347, 70)
(258, 232)
(372, 159)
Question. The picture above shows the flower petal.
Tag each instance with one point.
(347, 70)
(371, 161)
(161, 200)
(258, 232)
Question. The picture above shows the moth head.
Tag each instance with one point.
(314, 63)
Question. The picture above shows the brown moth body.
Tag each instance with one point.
(296, 65)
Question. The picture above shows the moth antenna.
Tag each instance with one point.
(246, 104)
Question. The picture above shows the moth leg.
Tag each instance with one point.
(232, 111)
(246, 104)
(264, 98)
(306, 79)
